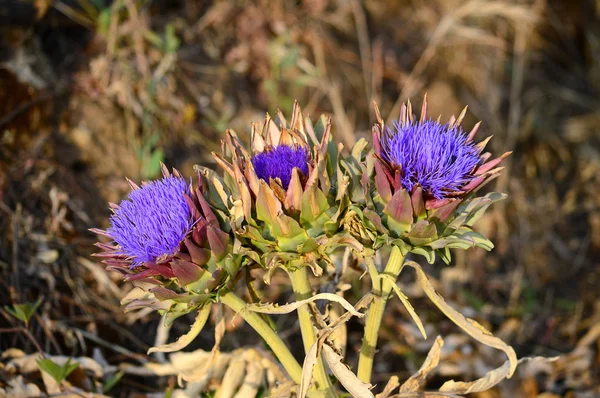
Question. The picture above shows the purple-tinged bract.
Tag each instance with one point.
(438, 157)
(279, 161)
(153, 221)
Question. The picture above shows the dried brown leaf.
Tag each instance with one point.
(187, 338)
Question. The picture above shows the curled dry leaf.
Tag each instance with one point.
(270, 308)
(324, 334)
(345, 376)
(192, 366)
(199, 373)
(307, 370)
(187, 338)
(391, 385)
(490, 379)
(416, 381)
(407, 304)
(252, 381)
(471, 327)
(234, 376)
(17, 388)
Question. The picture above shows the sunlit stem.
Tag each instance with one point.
(302, 291)
(281, 351)
(381, 291)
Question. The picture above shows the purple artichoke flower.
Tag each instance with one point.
(279, 162)
(434, 166)
(153, 221)
(437, 157)
(164, 228)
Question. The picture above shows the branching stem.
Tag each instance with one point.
(281, 351)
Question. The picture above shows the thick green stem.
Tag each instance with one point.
(302, 291)
(381, 290)
(281, 351)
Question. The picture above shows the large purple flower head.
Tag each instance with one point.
(437, 157)
(279, 161)
(421, 191)
(153, 221)
(166, 235)
(165, 228)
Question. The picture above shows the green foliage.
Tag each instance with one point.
(110, 382)
(57, 372)
(23, 312)
(149, 154)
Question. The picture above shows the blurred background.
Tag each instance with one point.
(92, 91)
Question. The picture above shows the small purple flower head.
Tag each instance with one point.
(438, 157)
(153, 221)
(279, 161)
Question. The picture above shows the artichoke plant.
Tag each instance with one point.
(415, 192)
(286, 198)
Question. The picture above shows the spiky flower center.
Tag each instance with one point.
(279, 161)
(435, 156)
(152, 221)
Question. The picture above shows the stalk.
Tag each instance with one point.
(381, 290)
(302, 291)
(279, 348)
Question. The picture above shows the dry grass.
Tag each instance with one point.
(528, 69)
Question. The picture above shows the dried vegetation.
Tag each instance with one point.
(89, 95)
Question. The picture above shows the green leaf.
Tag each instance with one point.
(111, 382)
(478, 209)
(172, 42)
(103, 22)
(445, 255)
(23, 312)
(426, 252)
(57, 372)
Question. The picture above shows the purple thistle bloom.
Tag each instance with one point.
(152, 221)
(278, 162)
(435, 156)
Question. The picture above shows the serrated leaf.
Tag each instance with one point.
(476, 212)
(269, 308)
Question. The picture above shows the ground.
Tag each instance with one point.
(92, 92)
